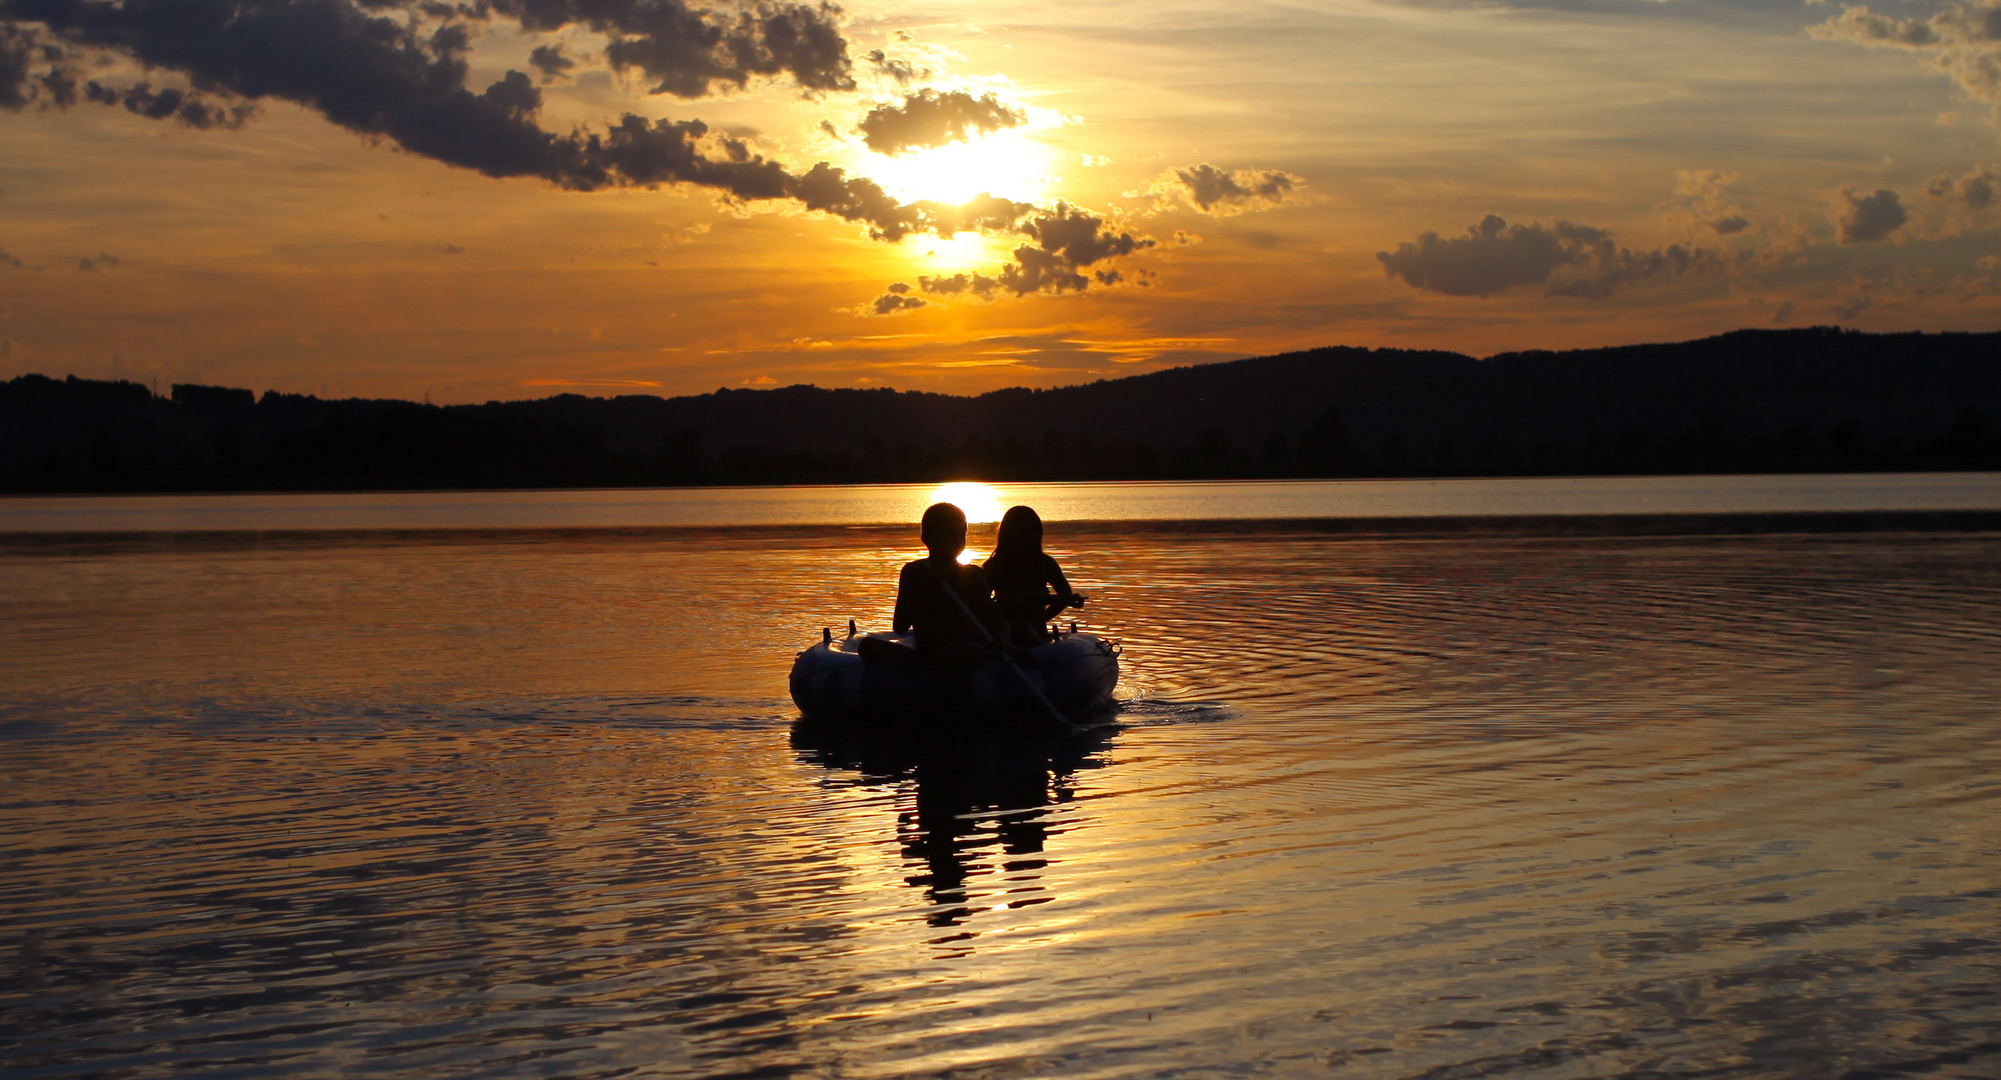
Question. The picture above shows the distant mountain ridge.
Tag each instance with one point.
(1751, 400)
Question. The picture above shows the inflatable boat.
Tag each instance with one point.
(832, 680)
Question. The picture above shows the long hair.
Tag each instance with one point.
(1020, 534)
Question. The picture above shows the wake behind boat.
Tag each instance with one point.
(832, 680)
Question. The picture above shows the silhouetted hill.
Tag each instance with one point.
(1753, 400)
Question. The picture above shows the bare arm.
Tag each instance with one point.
(981, 602)
(900, 623)
(1064, 596)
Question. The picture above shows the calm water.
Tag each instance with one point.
(884, 504)
(1482, 801)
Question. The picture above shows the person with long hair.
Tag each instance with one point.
(1023, 577)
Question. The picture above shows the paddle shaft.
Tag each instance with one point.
(1001, 651)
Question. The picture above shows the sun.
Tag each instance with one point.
(1008, 164)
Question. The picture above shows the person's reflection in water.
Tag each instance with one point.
(971, 799)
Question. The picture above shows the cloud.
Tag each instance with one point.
(552, 61)
(1783, 312)
(1214, 191)
(1702, 199)
(1494, 256)
(12, 260)
(687, 51)
(1066, 241)
(928, 118)
(1975, 190)
(397, 69)
(895, 298)
(982, 213)
(19, 51)
(975, 283)
(1963, 41)
(189, 108)
(101, 262)
(1870, 218)
(1612, 267)
(1065, 249)
(902, 72)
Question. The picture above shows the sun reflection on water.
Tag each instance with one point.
(981, 502)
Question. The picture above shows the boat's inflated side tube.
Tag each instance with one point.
(833, 680)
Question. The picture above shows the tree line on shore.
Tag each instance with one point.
(1770, 401)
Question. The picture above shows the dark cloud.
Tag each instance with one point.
(101, 262)
(1611, 267)
(829, 189)
(187, 107)
(553, 61)
(1214, 191)
(687, 51)
(397, 70)
(12, 260)
(976, 284)
(1731, 225)
(378, 69)
(18, 59)
(929, 118)
(895, 298)
(1066, 241)
(1783, 312)
(1065, 246)
(1975, 190)
(32, 65)
(1494, 256)
(902, 71)
(1871, 218)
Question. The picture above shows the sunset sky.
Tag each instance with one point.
(509, 199)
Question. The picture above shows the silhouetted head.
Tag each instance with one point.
(944, 530)
(1020, 532)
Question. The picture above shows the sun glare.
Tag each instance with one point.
(980, 502)
(1007, 163)
(965, 251)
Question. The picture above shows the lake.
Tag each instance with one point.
(1646, 778)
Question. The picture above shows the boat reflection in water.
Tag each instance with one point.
(974, 812)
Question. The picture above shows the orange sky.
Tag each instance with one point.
(1478, 177)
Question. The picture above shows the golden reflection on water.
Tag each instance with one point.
(1400, 805)
(981, 502)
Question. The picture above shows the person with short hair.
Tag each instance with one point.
(945, 634)
(1022, 576)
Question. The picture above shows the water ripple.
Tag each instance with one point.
(1396, 807)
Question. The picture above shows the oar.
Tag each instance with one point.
(1001, 651)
